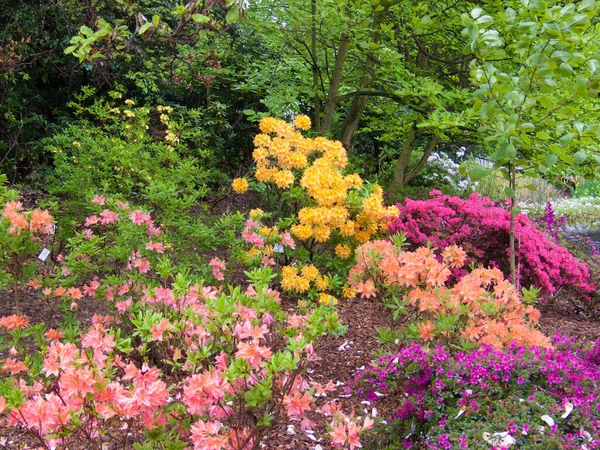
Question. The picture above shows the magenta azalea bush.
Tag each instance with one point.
(524, 397)
(482, 230)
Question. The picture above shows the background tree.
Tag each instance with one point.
(394, 69)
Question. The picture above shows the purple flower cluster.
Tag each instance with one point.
(482, 230)
(453, 401)
(552, 226)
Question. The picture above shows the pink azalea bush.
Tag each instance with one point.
(482, 230)
(174, 364)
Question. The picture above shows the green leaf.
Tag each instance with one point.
(86, 31)
(70, 49)
(200, 18)
(566, 139)
(478, 172)
(233, 15)
(551, 159)
(579, 157)
(565, 69)
(542, 135)
(509, 192)
(145, 28)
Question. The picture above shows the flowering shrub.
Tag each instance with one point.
(529, 398)
(481, 308)
(482, 230)
(140, 153)
(335, 206)
(21, 236)
(270, 247)
(175, 363)
(239, 361)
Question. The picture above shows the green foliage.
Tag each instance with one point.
(152, 155)
(587, 189)
(535, 69)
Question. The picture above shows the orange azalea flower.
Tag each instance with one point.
(426, 331)
(14, 366)
(454, 256)
(35, 283)
(54, 335)
(471, 332)
(366, 289)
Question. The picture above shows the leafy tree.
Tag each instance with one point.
(390, 67)
(537, 75)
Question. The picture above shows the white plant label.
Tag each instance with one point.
(44, 255)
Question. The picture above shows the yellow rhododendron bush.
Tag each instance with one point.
(482, 307)
(336, 204)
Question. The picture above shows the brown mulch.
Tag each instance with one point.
(560, 317)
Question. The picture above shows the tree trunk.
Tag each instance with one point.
(433, 141)
(512, 182)
(404, 158)
(359, 103)
(334, 84)
(315, 69)
(401, 173)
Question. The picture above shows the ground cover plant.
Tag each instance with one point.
(523, 397)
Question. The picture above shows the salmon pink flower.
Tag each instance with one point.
(99, 199)
(253, 353)
(108, 217)
(139, 217)
(14, 322)
(158, 330)
(297, 404)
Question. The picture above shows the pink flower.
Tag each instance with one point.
(91, 220)
(158, 330)
(266, 261)
(297, 404)
(123, 305)
(108, 216)
(142, 264)
(253, 353)
(158, 247)
(139, 217)
(217, 265)
(286, 239)
(99, 199)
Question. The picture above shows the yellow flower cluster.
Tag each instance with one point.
(170, 136)
(348, 292)
(343, 251)
(281, 149)
(327, 300)
(299, 281)
(240, 185)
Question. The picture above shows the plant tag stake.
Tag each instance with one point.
(278, 248)
(44, 255)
